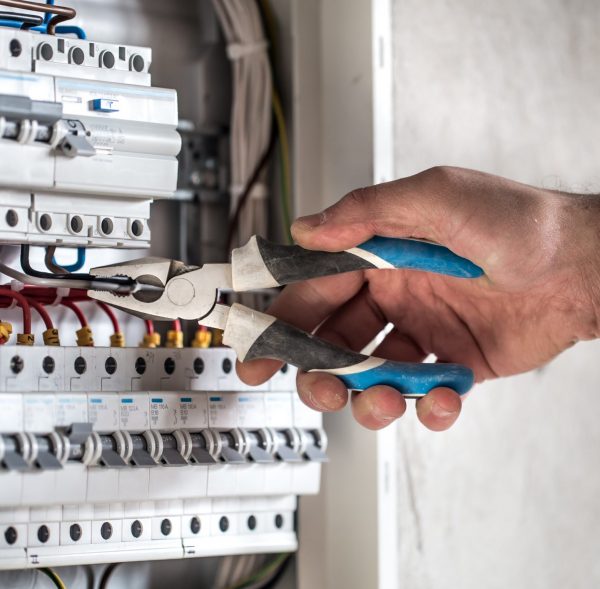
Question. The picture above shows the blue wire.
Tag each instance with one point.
(78, 265)
(72, 30)
(48, 16)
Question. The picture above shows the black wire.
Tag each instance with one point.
(260, 166)
(106, 575)
(28, 269)
(275, 580)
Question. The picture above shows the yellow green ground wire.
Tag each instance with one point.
(284, 145)
(264, 572)
(54, 577)
(286, 180)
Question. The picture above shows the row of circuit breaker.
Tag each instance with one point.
(174, 423)
(115, 454)
(86, 143)
(119, 532)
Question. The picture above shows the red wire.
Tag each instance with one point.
(42, 313)
(177, 325)
(111, 316)
(149, 326)
(22, 301)
(77, 311)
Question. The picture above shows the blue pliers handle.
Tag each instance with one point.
(261, 264)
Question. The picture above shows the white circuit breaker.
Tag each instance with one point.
(133, 454)
(86, 143)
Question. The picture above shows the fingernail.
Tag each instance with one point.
(314, 403)
(310, 222)
(441, 412)
(383, 417)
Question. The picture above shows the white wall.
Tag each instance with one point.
(510, 496)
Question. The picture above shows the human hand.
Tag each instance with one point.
(538, 248)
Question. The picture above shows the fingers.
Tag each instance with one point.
(439, 409)
(321, 391)
(404, 208)
(305, 305)
(377, 407)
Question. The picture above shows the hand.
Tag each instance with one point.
(539, 250)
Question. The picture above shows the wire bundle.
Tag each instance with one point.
(251, 118)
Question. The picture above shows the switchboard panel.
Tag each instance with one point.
(86, 143)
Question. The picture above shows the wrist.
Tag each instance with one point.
(579, 223)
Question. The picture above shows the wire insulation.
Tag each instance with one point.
(23, 303)
(54, 577)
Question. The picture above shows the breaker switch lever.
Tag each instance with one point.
(258, 447)
(141, 453)
(171, 455)
(109, 456)
(200, 453)
(45, 456)
(10, 454)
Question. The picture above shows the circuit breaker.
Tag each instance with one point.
(117, 454)
(86, 142)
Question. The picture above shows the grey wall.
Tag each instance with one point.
(511, 496)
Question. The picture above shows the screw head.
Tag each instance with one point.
(137, 528)
(15, 48)
(17, 364)
(170, 366)
(140, 366)
(166, 527)
(195, 525)
(80, 365)
(227, 366)
(46, 51)
(106, 531)
(48, 364)
(75, 532)
(43, 534)
(198, 366)
(224, 524)
(11, 536)
(252, 523)
(77, 56)
(279, 521)
(12, 218)
(110, 365)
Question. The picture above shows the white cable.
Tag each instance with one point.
(251, 116)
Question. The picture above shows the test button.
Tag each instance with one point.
(104, 105)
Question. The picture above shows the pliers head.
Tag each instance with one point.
(176, 291)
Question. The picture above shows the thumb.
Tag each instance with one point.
(411, 207)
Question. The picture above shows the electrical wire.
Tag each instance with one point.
(286, 176)
(265, 574)
(270, 24)
(50, 261)
(23, 303)
(42, 313)
(78, 312)
(251, 118)
(111, 315)
(149, 326)
(106, 575)
(54, 577)
(118, 284)
(260, 168)
(62, 13)
(56, 268)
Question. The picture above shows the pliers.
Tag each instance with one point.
(192, 293)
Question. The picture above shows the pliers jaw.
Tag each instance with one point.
(177, 291)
